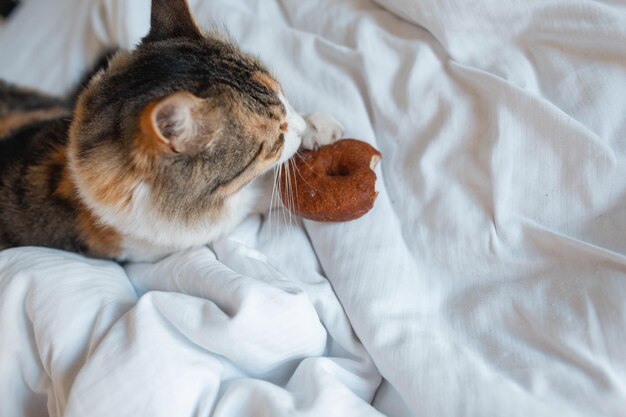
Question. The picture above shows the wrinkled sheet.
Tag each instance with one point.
(489, 280)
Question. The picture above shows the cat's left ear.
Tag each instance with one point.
(181, 121)
(171, 19)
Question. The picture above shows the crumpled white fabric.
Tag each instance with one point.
(489, 279)
(202, 332)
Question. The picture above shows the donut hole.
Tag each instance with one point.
(338, 171)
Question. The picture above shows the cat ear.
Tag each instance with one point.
(171, 19)
(181, 121)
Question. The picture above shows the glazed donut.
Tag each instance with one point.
(335, 183)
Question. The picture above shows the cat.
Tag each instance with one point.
(164, 149)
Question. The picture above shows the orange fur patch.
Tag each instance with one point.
(148, 146)
(101, 241)
(266, 81)
(13, 121)
(111, 187)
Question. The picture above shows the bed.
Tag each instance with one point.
(489, 280)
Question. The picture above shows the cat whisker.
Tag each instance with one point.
(296, 172)
(289, 193)
(302, 176)
(269, 217)
(280, 185)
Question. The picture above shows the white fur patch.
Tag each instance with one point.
(150, 233)
(147, 235)
(296, 126)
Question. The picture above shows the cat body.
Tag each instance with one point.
(163, 150)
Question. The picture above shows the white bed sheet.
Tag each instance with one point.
(489, 280)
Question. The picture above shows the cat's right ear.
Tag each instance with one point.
(180, 123)
(171, 19)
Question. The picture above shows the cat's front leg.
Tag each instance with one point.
(321, 129)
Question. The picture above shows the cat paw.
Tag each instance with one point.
(321, 129)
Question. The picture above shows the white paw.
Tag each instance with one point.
(321, 129)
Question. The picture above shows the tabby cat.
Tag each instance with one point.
(162, 150)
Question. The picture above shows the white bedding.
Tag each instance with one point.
(489, 280)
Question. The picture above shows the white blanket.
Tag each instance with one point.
(489, 280)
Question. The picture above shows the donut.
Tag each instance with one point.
(335, 183)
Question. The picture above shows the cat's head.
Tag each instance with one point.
(188, 115)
